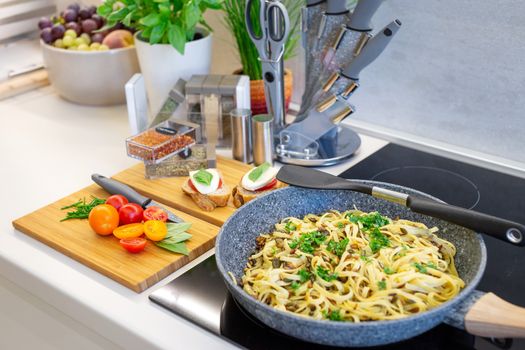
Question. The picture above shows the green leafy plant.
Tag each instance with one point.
(171, 22)
(236, 23)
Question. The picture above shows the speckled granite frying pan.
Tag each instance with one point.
(479, 313)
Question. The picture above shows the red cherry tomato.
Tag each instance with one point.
(133, 245)
(117, 201)
(130, 213)
(155, 213)
(195, 188)
(270, 185)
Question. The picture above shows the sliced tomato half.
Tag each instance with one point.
(133, 245)
(155, 213)
(268, 186)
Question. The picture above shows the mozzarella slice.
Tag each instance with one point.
(262, 181)
(203, 188)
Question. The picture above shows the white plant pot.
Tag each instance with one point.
(162, 66)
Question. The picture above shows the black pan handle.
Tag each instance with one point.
(505, 230)
(117, 187)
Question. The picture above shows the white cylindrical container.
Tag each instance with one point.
(162, 65)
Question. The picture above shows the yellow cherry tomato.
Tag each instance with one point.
(129, 231)
(155, 230)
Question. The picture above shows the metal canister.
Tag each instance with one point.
(263, 142)
(241, 132)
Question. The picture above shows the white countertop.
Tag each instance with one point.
(49, 149)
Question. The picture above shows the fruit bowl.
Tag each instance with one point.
(90, 77)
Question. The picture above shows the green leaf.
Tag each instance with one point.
(145, 34)
(118, 15)
(179, 227)
(175, 248)
(256, 173)
(325, 274)
(157, 32)
(190, 15)
(304, 275)
(150, 20)
(177, 238)
(127, 20)
(104, 10)
(203, 176)
(176, 38)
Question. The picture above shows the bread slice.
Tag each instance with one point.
(208, 202)
(241, 195)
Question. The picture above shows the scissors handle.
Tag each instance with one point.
(249, 19)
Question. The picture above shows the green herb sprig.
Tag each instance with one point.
(82, 209)
(338, 248)
(325, 274)
(378, 240)
(334, 315)
(307, 242)
(171, 22)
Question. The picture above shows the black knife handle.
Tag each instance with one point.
(117, 187)
(505, 230)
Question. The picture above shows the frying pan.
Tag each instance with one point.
(479, 313)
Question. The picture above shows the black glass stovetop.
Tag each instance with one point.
(200, 296)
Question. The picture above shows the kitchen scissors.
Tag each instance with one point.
(270, 42)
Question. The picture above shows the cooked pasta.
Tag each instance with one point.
(352, 266)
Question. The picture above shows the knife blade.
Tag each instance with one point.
(117, 187)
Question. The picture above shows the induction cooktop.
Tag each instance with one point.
(200, 296)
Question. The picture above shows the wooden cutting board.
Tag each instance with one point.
(104, 254)
(168, 190)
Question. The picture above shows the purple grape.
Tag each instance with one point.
(97, 38)
(44, 22)
(92, 10)
(46, 35)
(70, 15)
(84, 14)
(58, 31)
(99, 20)
(88, 26)
(75, 7)
(75, 26)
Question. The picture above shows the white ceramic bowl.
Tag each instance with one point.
(90, 77)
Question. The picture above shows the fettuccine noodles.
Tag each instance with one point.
(352, 266)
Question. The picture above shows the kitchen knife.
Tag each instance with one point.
(362, 16)
(505, 230)
(117, 187)
(335, 15)
(345, 83)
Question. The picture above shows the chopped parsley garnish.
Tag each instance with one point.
(340, 225)
(388, 270)
(307, 242)
(203, 176)
(295, 285)
(423, 267)
(365, 258)
(378, 240)
(304, 275)
(372, 220)
(338, 248)
(325, 274)
(334, 315)
(256, 173)
(290, 226)
(381, 285)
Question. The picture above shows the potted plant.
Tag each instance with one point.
(249, 56)
(173, 40)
